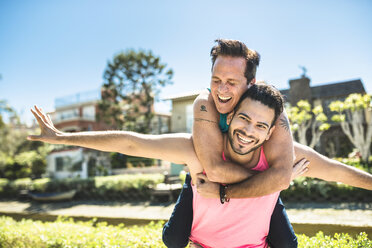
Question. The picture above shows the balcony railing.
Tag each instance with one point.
(81, 97)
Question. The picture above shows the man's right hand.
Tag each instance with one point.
(48, 132)
(299, 168)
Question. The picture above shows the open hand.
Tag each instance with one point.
(48, 132)
(300, 168)
(207, 188)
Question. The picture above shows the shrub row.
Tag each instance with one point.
(136, 187)
(308, 189)
(67, 233)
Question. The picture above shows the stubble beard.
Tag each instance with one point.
(236, 150)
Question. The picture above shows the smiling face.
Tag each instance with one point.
(228, 82)
(250, 126)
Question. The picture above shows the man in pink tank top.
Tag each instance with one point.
(240, 222)
(217, 222)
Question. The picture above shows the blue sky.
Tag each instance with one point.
(51, 49)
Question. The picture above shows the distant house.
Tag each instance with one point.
(300, 89)
(182, 111)
(77, 113)
(333, 142)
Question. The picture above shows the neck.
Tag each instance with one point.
(247, 160)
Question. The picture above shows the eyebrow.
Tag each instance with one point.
(229, 79)
(249, 118)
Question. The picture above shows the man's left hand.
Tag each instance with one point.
(206, 188)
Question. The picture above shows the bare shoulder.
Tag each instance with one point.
(204, 107)
(280, 145)
(204, 95)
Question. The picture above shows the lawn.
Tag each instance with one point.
(67, 233)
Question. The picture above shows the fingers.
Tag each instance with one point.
(300, 167)
(41, 114)
(201, 178)
(37, 117)
(304, 169)
(302, 162)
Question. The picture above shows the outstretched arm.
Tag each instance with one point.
(208, 143)
(177, 148)
(331, 170)
(315, 165)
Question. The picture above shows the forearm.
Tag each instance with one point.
(264, 183)
(331, 170)
(352, 176)
(108, 141)
(226, 172)
(208, 144)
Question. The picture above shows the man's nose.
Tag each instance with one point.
(223, 87)
(249, 130)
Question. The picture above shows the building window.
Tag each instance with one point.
(68, 163)
(67, 115)
(189, 117)
(59, 164)
(89, 113)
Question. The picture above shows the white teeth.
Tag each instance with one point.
(244, 139)
(224, 98)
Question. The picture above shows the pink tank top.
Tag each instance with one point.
(238, 223)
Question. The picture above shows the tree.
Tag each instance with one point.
(303, 118)
(354, 116)
(19, 157)
(4, 108)
(132, 82)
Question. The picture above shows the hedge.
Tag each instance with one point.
(136, 187)
(67, 233)
(308, 189)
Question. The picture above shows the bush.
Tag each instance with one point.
(309, 189)
(338, 240)
(133, 187)
(139, 162)
(3, 183)
(67, 233)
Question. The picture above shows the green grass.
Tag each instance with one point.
(67, 233)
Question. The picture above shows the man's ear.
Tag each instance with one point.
(270, 132)
(230, 117)
(252, 82)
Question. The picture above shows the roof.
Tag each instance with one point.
(338, 89)
(186, 95)
(77, 99)
(330, 90)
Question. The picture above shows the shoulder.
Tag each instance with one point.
(204, 97)
(204, 101)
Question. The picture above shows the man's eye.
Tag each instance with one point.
(261, 126)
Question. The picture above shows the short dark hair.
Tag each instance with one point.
(267, 95)
(237, 48)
